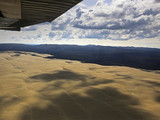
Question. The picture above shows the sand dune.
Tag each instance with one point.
(35, 88)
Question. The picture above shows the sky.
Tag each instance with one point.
(97, 22)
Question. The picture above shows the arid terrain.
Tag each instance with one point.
(33, 87)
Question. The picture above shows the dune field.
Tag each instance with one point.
(33, 87)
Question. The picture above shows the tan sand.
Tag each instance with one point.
(35, 88)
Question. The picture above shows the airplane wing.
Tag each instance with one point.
(15, 14)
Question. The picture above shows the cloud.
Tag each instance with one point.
(122, 20)
(132, 17)
(51, 34)
(30, 28)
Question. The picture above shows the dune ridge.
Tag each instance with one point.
(36, 88)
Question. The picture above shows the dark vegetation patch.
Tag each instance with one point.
(19, 53)
(102, 104)
(111, 71)
(16, 55)
(92, 68)
(34, 55)
(126, 77)
(8, 58)
(154, 71)
(69, 62)
(158, 72)
(93, 77)
(143, 58)
(147, 70)
(65, 74)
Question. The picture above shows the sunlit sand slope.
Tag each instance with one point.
(33, 87)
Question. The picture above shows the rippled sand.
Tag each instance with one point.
(33, 87)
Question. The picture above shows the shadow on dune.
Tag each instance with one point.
(8, 101)
(158, 99)
(100, 104)
(154, 71)
(157, 84)
(65, 74)
(92, 83)
(1, 101)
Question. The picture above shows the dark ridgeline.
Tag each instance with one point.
(144, 58)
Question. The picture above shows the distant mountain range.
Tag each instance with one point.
(143, 58)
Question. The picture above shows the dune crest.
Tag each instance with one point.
(36, 88)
